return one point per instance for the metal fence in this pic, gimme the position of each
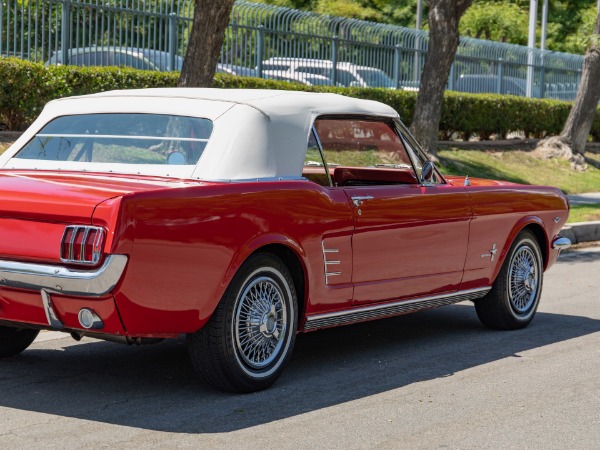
(272, 42)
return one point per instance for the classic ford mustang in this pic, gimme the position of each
(242, 217)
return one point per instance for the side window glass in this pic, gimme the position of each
(363, 152)
(417, 156)
(314, 166)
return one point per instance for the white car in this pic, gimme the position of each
(348, 74)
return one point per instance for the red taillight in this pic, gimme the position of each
(82, 244)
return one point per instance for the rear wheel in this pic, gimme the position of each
(250, 336)
(14, 340)
(515, 295)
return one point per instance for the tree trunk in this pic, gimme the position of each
(578, 124)
(570, 144)
(444, 17)
(211, 18)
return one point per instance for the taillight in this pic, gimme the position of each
(82, 244)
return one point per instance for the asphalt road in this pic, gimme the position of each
(434, 379)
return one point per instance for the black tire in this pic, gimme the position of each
(14, 340)
(239, 349)
(515, 295)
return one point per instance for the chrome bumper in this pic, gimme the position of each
(61, 280)
(561, 243)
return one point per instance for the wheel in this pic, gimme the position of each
(14, 340)
(515, 295)
(250, 336)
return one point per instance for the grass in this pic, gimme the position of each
(584, 213)
(520, 167)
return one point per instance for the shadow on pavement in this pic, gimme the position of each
(154, 388)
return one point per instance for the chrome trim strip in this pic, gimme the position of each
(561, 243)
(390, 309)
(62, 280)
(51, 315)
(329, 263)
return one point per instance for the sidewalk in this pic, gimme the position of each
(583, 231)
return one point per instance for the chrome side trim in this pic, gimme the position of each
(561, 243)
(390, 309)
(328, 262)
(62, 280)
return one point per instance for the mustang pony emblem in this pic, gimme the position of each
(491, 253)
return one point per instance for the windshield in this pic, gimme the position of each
(120, 138)
(375, 78)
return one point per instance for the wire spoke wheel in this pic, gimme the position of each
(514, 297)
(260, 323)
(523, 280)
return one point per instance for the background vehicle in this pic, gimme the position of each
(143, 59)
(348, 74)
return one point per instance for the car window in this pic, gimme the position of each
(121, 138)
(344, 77)
(314, 166)
(373, 145)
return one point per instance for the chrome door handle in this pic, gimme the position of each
(359, 199)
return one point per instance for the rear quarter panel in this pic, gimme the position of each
(187, 244)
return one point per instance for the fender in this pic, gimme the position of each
(517, 228)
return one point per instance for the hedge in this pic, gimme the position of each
(26, 87)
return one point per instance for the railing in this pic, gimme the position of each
(272, 42)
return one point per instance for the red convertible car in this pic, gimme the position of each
(242, 217)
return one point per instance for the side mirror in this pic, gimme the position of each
(427, 172)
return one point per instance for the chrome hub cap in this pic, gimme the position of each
(523, 280)
(260, 323)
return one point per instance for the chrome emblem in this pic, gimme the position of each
(556, 219)
(491, 253)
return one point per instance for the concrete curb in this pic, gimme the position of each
(582, 232)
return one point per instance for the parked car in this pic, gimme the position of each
(348, 74)
(242, 217)
(302, 78)
(137, 58)
(233, 69)
(489, 83)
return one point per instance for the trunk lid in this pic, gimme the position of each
(35, 207)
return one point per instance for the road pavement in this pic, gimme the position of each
(434, 379)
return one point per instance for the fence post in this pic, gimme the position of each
(543, 77)
(334, 59)
(65, 32)
(260, 49)
(172, 41)
(451, 78)
(397, 66)
(499, 80)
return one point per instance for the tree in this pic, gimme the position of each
(504, 22)
(211, 18)
(444, 17)
(573, 137)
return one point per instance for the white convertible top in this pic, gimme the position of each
(256, 134)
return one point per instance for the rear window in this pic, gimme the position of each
(121, 139)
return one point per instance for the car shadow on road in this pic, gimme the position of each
(154, 388)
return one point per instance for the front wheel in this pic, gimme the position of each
(14, 340)
(515, 295)
(250, 336)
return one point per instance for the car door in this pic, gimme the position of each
(410, 238)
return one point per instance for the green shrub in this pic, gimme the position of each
(26, 87)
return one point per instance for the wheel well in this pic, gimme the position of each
(292, 261)
(539, 234)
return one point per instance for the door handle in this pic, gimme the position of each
(359, 199)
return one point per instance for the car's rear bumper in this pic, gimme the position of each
(62, 280)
